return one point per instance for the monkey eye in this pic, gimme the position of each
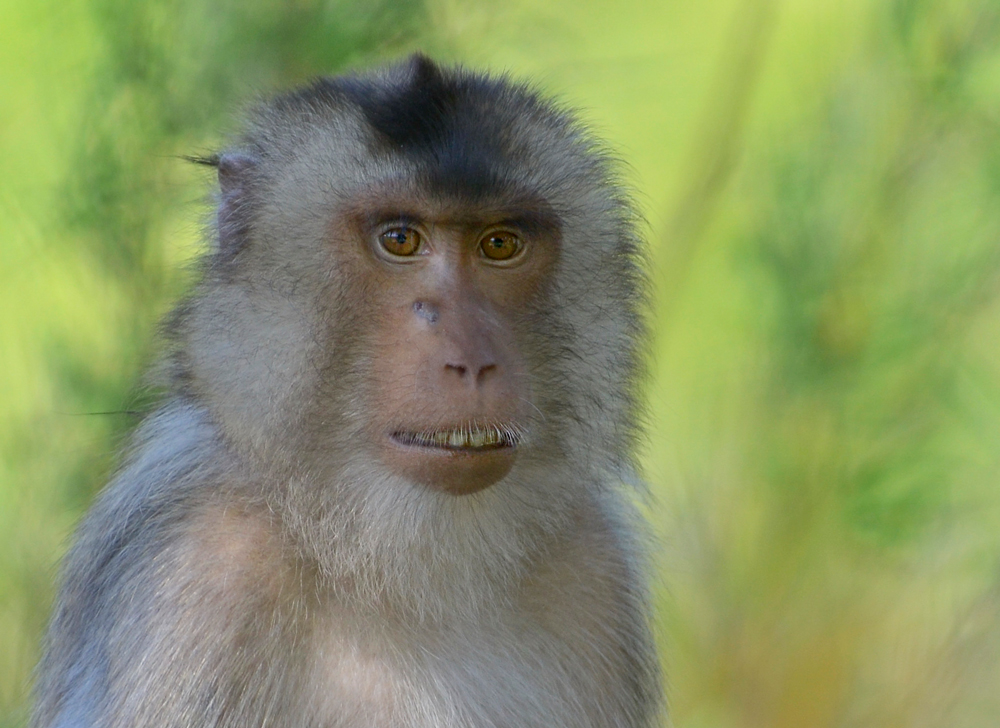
(500, 245)
(400, 241)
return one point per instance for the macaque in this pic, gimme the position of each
(387, 484)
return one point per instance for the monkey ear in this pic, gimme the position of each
(235, 172)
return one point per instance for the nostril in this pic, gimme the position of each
(462, 370)
(484, 371)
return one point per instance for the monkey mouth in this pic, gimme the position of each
(468, 438)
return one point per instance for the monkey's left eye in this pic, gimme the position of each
(400, 241)
(500, 245)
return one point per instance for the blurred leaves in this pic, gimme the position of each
(879, 243)
(837, 566)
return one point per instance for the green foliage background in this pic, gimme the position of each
(822, 184)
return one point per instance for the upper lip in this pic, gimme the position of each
(471, 436)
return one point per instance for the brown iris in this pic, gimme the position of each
(500, 245)
(400, 241)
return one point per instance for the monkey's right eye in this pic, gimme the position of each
(400, 241)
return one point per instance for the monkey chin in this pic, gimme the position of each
(444, 460)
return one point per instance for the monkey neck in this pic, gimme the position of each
(378, 544)
(349, 532)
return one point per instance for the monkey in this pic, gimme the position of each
(388, 483)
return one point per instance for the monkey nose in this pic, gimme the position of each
(468, 354)
(469, 357)
(474, 374)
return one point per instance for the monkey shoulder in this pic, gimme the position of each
(589, 597)
(148, 518)
(161, 574)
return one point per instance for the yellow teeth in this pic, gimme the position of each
(473, 437)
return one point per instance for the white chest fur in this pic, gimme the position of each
(497, 674)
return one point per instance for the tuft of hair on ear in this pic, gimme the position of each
(211, 160)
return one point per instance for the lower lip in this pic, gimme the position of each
(455, 470)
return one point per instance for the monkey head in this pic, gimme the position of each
(422, 268)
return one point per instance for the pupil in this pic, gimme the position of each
(400, 241)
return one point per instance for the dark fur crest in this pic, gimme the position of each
(453, 122)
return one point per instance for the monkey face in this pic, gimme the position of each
(444, 287)
(425, 278)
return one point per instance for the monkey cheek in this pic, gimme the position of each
(451, 471)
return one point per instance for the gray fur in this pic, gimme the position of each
(251, 566)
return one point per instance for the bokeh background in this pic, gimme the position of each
(821, 180)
